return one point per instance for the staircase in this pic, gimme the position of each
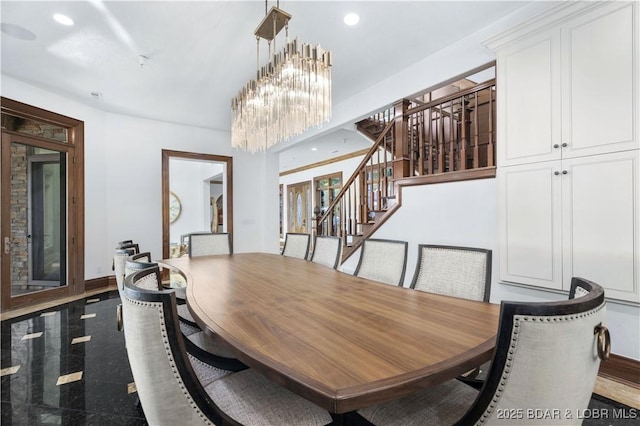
(415, 138)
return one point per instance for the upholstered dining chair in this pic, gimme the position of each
(204, 244)
(384, 261)
(119, 260)
(327, 250)
(296, 245)
(129, 244)
(131, 266)
(463, 272)
(171, 393)
(476, 377)
(546, 358)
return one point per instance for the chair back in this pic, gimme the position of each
(454, 271)
(327, 251)
(384, 261)
(129, 245)
(152, 282)
(149, 277)
(167, 386)
(141, 257)
(205, 244)
(579, 288)
(119, 259)
(296, 245)
(546, 358)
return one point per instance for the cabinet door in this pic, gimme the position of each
(529, 79)
(529, 221)
(601, 238)
(599, 54)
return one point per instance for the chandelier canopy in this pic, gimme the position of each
(289, 95)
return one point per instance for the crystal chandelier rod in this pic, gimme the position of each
(291, 93)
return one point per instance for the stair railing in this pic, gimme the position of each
(450, 134)
(453, 133)
(367, 191)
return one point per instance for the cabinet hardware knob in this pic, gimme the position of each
(556, 173)
(564, 145)
(564, 172)
(556, 146)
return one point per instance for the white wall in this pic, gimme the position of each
(123, 169)
(465, 214)
(458, 213)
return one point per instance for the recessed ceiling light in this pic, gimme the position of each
(63, 19)
(314, 149)
(351, 19)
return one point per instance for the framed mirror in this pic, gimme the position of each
(197, 178)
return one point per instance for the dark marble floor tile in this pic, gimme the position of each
(31, 396)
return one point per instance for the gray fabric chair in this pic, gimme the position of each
(463, 272)
(128, 244)
(477, 376)
(131, 266)
(204, 244)
(296, 245)
(120, 257)
(171, 393)
(384, 261)
(327, 251)
(547, 358)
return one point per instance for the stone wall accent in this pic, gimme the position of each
(19, 218)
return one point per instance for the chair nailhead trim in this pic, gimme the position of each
(174, 368)
(514, 342)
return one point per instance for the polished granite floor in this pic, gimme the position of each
(67, 365)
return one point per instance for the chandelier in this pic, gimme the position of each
(289, 95)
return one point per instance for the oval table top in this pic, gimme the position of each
(340, 341)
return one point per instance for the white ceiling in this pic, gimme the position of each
(201, 53)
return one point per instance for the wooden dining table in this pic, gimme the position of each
(340, 341)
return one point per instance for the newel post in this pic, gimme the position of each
(401, 167)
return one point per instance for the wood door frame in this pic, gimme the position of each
(75, 201)
(166, 156)
(309, 204)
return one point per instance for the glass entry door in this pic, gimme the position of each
(46, 237)
(34, 241)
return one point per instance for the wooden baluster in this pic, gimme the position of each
(379, 165)
(476, 131)
(421, 141)
(452, 148)
(345, 214)
(490, 147)
(440, 139)
(412, 142)
(430, 142)
(463, 138)
(352, 207)
(383, 193)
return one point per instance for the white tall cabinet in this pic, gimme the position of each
(568, 148)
